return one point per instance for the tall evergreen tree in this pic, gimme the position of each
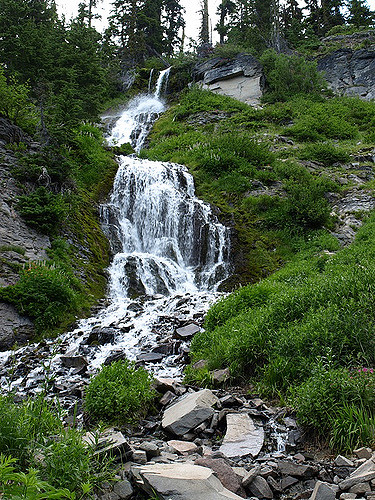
(225, 9)
(173, 23)
(204, 33)
(360, 13)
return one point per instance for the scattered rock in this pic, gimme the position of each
(341, 461)
(363, 453)
(183, 447)
(323, 491)
(187, 332)
(183, 481)
(225, 473)
(110, 441)
(260, 488)
(190, 411)
(242, 437)
(123, 489)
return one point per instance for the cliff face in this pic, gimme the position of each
(19, 244)
(350, 72)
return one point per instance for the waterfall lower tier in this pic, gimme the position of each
(166, 240)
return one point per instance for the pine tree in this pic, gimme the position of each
(173, 22)
(204, 34)
(225, 9)
(360, 13)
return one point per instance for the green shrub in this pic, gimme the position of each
(42, 210)
(120, 393)
(324, 152)
(288, 76)
(45, 293)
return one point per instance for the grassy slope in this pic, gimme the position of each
(313, 319)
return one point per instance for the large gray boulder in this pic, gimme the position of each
(189, 412)
(240, 77)
(242, 437)
(350, 72)
(183, 481)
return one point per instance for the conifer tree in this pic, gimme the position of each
(173, 22)
(204, 34)
(225, 9)
(360, 13)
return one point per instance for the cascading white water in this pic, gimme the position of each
(169, 250)
(166, 240)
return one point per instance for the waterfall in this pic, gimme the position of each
(170, 254)
(138, 117)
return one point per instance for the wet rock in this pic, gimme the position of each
(242, 437)
(71, 361)
(187, 332)
(225, 473)
(123, 489)
(260, 488)
(183, 481)
(190, 411)
(114, 356)
(323, 491)
(183, 447)
(150, 357)
(102, 336)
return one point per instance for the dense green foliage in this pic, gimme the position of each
(288, 76)
(45, 292)
(28, 435)
(120, 393)
(290, 331)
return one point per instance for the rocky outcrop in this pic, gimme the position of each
(19, 244)
(350, 72)
(241, 77)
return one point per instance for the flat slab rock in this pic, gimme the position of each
(189, 412)
(242, 437)
(183, 481)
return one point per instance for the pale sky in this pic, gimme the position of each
(192, 18)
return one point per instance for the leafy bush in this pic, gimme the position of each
(119, 393)
(45, 293)
(325, 153)
(42, 210)
(34, 429)
(18, 485)
(288, 76)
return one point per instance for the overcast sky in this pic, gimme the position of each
(69, 8)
